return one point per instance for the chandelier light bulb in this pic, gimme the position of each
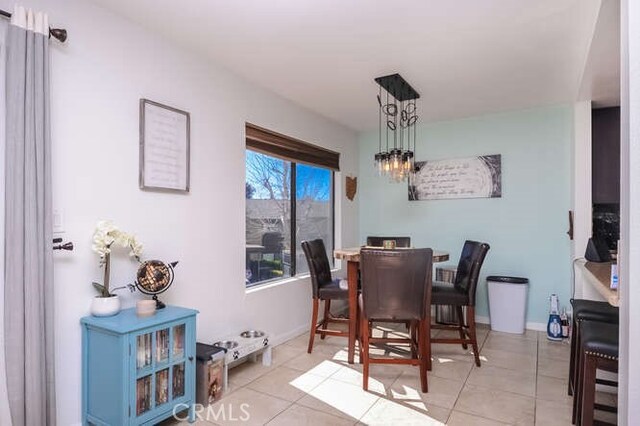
(396, 159)
(407, 161)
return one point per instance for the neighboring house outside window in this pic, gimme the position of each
(287, 202)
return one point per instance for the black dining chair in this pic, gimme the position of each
(396, 286)
(403, 242)
(462, 294)
(324, 288)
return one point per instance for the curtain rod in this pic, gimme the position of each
(59, 34)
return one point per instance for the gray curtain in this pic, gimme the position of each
(28, 298)
(5, 416)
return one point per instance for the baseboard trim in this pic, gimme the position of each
(537, 326)
(530, 325)
(284, 337)
(304, 328)
(482, 320)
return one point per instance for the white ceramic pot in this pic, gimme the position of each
(105, 306)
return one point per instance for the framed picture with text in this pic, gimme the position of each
(470, 177)
(164, 147)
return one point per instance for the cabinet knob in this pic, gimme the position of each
(190, 358)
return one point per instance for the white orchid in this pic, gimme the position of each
(105, 235)
(136, 247)
(121, 238)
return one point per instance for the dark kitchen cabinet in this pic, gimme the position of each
(605, 139)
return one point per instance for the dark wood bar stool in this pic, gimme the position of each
(587, 310)
(598, 351)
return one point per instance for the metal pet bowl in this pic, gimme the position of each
(226, 344)
(250, 334)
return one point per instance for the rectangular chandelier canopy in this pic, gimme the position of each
(398, 87)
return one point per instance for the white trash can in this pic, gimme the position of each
(507, 303)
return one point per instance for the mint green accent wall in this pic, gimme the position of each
(526, 228)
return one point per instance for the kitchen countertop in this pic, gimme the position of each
(598, 275)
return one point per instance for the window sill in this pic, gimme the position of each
(276, 283)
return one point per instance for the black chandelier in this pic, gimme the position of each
(398, 109)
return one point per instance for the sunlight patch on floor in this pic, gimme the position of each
(353, 401)
(305, 382)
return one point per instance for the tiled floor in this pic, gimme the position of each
(522, 381)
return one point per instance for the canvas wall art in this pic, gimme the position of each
(470, 177)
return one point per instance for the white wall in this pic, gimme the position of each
(581, 200)
(581, 182)
(629, 249)
(98, 77)
(4, 400)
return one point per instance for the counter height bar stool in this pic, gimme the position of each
(324, 288)
(599, 349)
(587, 310)
(396, 286)
(462, 294)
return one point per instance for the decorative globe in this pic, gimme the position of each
(155, 277)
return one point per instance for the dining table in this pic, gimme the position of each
(352, 256)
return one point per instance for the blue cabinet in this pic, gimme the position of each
(136, 370)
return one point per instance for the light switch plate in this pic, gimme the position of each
(58, 221)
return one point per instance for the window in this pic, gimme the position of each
(287, 201)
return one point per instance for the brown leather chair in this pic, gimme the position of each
(324, 288)
(396, 286)
(404, 242)
(462, 294)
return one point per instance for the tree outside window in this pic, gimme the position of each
(274, 189)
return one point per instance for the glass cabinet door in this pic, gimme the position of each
(162, 386)
(160, 368)
(178, 341)
(162, 345)
(178, 380)
(143, 395)
(144, 352)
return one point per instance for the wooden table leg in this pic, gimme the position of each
(352, 278)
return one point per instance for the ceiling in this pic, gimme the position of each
(465, 57)
(601, 78)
